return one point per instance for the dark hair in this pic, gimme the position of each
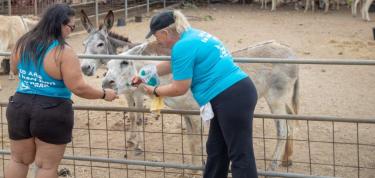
(34, 44)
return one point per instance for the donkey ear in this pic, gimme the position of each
(86, 22)
(109, 20)
(104, 30)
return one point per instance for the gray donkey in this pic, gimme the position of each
(277, 83)
(100, 41)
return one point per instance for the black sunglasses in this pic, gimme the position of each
(72, 27)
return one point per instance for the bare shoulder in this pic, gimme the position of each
(68, 53)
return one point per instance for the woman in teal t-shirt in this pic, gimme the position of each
(40, 114)
(226, 95)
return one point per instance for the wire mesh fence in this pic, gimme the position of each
(36, 7)
(124, 10)
(324, 146)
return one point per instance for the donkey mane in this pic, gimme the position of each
(118, 37)
(115, 35)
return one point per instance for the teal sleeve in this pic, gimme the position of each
(182, 60)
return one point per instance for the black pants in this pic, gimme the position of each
(230, 134)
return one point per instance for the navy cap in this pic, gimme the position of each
(160, 21)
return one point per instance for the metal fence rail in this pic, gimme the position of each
(326, 146)
(239, 60)
(94, 9)
(172, 165)
(36, 7)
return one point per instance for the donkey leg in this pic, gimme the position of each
(193, 128)
(365, 10)
(307, 5)
(286, 160)
(274, 3)
(354, 7)
(277, 99)
(7, 69)
(354, 13)
(132, 137)
(280, 144)
(326, 2)
(363, 14)
(11, 76)
(313, 5)
(138, 97)
(281, 131)
(132, 141)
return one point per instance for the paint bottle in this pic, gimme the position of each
(149, 75)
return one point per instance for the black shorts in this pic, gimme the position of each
(49, 119)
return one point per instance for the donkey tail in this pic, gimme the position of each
(295, 98)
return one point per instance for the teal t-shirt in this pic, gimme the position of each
(35, 80)
(201, 57)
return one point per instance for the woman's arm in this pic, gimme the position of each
(73, 78)
(176, 88)
(163, 68)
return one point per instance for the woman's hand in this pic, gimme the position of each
(147, 89)
(109, 94)
(136, 80)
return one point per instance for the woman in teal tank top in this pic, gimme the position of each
(225, 94)
(40, 113)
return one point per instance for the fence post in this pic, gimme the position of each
(9, 7)
(36, 7)
(97, 13)
(148, 6)
(126, 10)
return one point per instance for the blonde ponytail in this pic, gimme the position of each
(181, 23)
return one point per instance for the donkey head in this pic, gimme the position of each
(120, 72)
(100, 41)
(119, 75)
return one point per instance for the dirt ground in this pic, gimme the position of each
(345, 91)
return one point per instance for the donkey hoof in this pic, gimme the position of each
(130, 144)
(287, 163)
(64, 172)
(138, 151)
